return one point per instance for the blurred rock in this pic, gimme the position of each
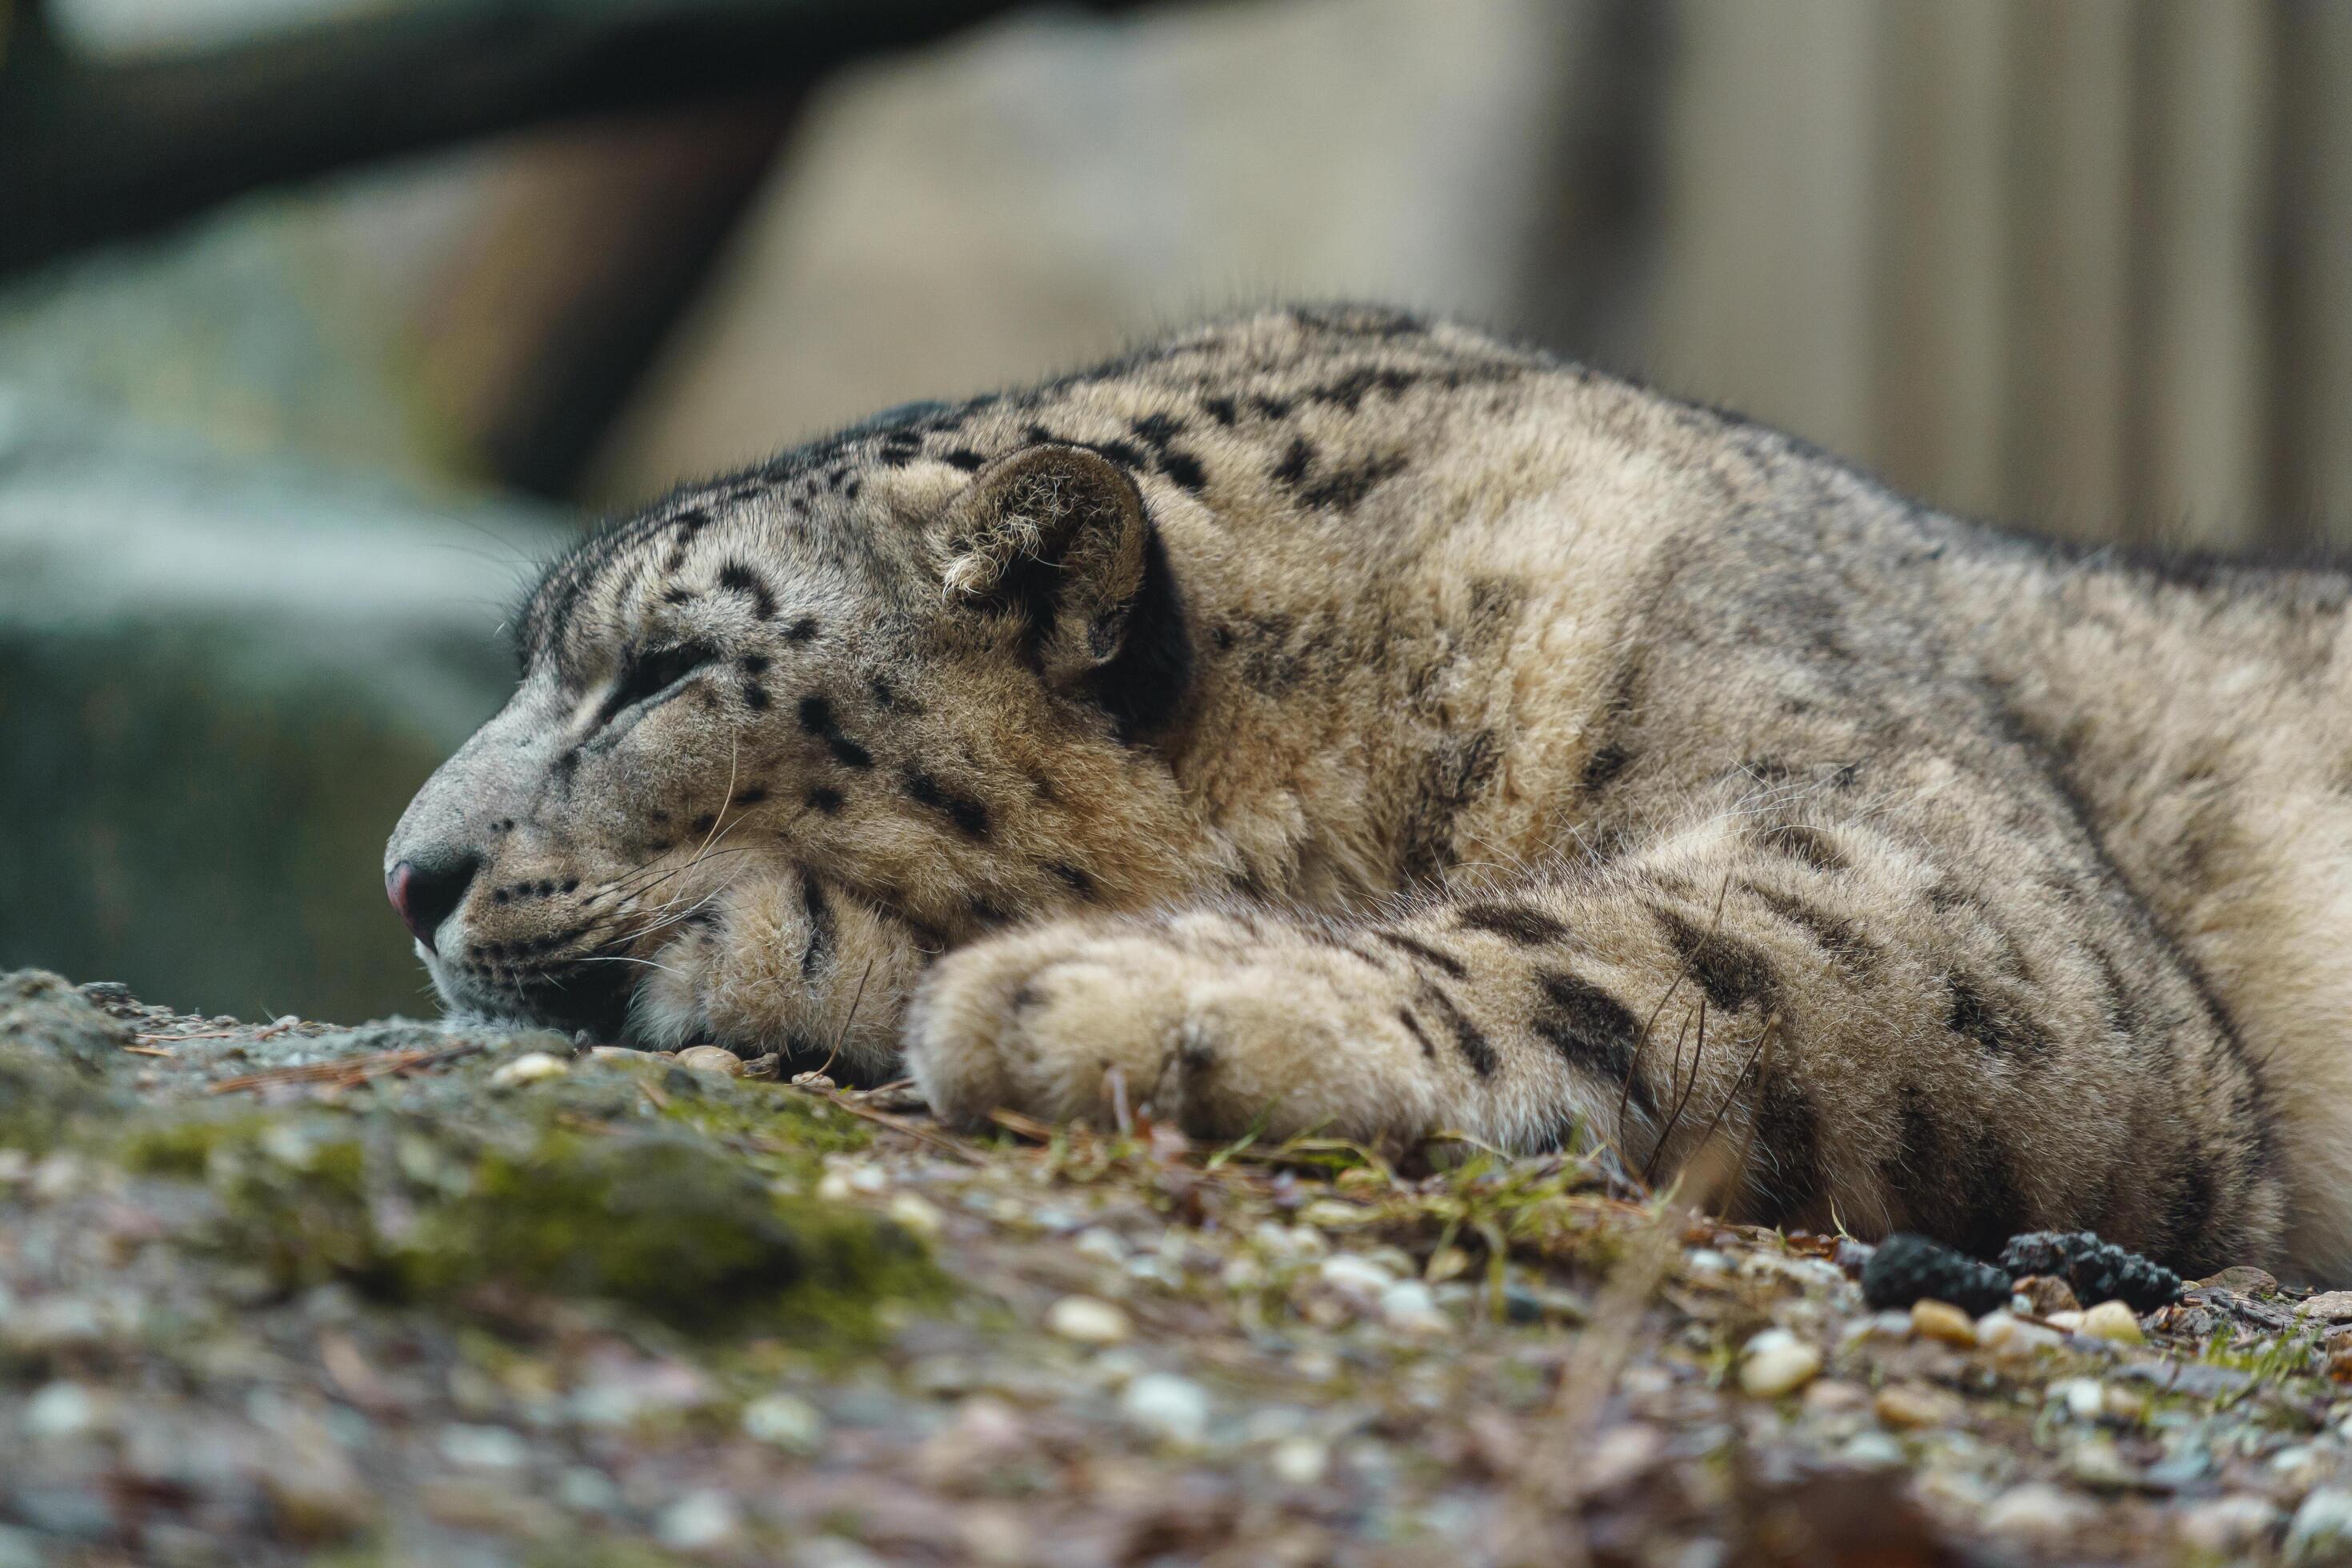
(1034, 197)
(220, 683)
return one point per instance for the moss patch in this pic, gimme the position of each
(677, 1202)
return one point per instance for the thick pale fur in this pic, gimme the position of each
(1329, 720)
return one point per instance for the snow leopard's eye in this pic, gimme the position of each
(650, 673)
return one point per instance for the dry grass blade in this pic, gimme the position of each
(914, 1130)
(1548, 1479)
(345, 1072)
(1021, 1126)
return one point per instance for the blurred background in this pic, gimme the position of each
(321, 319)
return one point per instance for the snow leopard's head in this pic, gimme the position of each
(915, 671)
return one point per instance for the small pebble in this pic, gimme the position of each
(1832, 1396)
(484, 1447)
(1869, 1451)
(2321, 1530)
(1934, 1320)
(711, 1058)
(1171, 1408)
(2046, 1293)
(1775, 1363)
(1088, 1320)
(60, 1410)
(1410, 1309)
(817, 1082)
(1354, 1276)
(1299, 1461)
(1102, 1246)
(586, 1490)
(2036, 1511)
(531, 1068)
(697, 1522)
(2246, 1281)
(916, 1213)
(2083, 1396)
(2098, 1463)
(2011, 1335)
(2333, 1307)
(2113, 1322)
(2228, 1525)
(786, 1421)
(1907, 1406)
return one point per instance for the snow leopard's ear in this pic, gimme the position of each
(1056, 538)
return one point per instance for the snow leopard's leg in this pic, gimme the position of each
(1889, 1042)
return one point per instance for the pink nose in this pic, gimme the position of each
(425, 896)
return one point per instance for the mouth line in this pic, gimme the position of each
(574, 995)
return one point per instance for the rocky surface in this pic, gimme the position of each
(398, 1294)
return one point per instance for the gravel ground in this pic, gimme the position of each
(396, 1294)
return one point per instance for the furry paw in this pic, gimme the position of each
(788, 965)
(1221, 1028)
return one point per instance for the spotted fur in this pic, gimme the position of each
(1334, 720)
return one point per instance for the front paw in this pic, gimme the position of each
(1220, 1036)
(786, 965)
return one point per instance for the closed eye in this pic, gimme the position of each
(651, 672)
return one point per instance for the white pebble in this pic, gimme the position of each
(711, 1058)
(2321, 1530)
(2083, 1396)
(2113, 1322)
(786, 1421)
(484, 1447)
(1101, 1244)
(2035, 1511)
(1351, 1275)
(1299, 1461)
(1775, 1363)
(587, 1489)
(1409, 1308)
(60, 1410)
(2001, 1331)
(1088, 1320)
(1171, 1408)
(2228, 1525)
(697, 1522)
(916, 1213)
(530, 1067)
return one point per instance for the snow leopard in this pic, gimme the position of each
(1334, 720)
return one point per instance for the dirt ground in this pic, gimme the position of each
(290, 1291)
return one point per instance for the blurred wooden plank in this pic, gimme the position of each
(1938, 341)
(2070, 170)
(90, 152)
(2201, 348)
(1767, 233)
(2310, 450)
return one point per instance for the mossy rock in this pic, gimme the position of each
(675, 1213)
(55, 1055)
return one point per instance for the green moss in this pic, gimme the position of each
(589, 1192)
(43, 1098)
(784, 1131)
(664, 1222)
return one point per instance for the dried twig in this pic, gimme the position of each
(939, 1140)
(347, 1072)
